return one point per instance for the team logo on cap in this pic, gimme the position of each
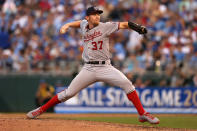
(96, 8)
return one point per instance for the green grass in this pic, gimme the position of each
(189, 122)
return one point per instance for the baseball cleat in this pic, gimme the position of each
(34, 113)
(146, 117)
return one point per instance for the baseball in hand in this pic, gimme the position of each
(63, 29)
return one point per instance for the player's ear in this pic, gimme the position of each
(87, 18)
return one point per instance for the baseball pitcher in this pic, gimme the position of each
(97, 67)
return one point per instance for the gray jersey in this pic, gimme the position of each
(96, 40)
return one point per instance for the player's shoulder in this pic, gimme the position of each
(110, 23)
(101, 23)
(84, 21)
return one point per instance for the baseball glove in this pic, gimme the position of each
(138, 28)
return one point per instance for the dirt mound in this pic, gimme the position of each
(55, 122)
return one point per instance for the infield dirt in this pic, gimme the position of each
(56, 122)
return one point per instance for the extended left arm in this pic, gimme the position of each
(123, 25)
(130, 25)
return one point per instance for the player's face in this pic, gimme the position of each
(94, 19)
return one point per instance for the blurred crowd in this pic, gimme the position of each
(167, 56)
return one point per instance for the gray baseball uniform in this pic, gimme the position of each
(96, 48)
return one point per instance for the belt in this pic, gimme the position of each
(95, 62)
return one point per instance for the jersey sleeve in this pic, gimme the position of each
(83, 25)
(111, 27)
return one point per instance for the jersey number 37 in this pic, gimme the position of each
(97, 45)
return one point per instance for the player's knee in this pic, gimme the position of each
(65, 95)
(128, 86)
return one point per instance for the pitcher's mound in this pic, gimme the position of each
(55, 122)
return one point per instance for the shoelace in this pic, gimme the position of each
(150, 116)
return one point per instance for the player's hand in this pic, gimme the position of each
(143, 30)
(64, 29)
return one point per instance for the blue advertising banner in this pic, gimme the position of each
(114, 100)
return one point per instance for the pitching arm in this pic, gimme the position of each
(64, 28)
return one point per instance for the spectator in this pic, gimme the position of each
(195, 80)
(44, 93)
(4, 39)
(9, 7)
(30, 40)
